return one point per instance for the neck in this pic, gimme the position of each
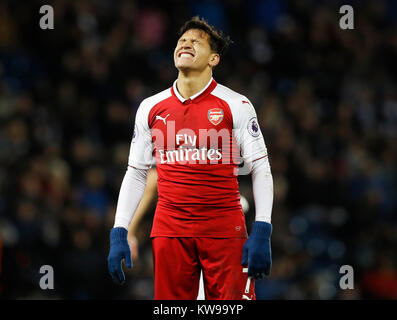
(189, 84)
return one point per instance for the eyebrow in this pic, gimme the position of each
(193, 39)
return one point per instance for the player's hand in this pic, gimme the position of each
(257, 251)
(119, 250)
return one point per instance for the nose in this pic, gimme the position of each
(187, 45)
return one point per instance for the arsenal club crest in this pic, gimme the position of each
(215, 116)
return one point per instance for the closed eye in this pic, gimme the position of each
(184, 40)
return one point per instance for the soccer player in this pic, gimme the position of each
(197, 130)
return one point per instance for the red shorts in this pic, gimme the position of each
(178, 262)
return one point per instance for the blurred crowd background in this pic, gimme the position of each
(326, 99)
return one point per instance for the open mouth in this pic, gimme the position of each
(185, 54)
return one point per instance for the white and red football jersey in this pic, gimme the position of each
(197, 144)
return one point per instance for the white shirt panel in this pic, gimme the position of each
(262, 188)
(141, 148)
(246, 128)
(130, 195)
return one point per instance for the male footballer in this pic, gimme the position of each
(197, 130)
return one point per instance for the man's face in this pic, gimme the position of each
(193, 51)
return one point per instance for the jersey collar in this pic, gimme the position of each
(206, 90)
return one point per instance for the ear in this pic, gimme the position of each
(214, 60)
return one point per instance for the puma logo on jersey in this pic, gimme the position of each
(162, 119)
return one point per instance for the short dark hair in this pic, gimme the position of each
(218, 41)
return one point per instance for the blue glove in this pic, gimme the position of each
(257, 252)
(119, 249)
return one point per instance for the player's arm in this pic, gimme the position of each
(146, 201)
(257, 249)
(130, 195)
